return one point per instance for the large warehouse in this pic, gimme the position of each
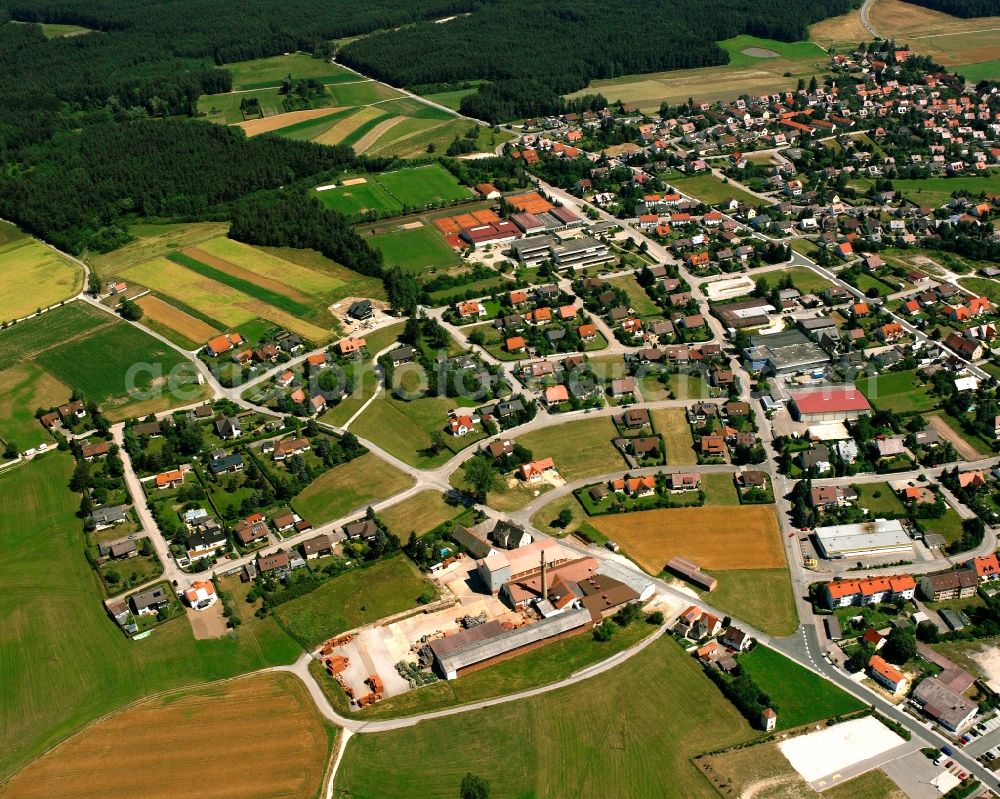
(878, 537)
(487, 642)
(829, 404)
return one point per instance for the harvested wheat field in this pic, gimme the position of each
(177, 320)
(251, 738)
(375, 133)
(254, 127)
(346, 126)
(747, 537)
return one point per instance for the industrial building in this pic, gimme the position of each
(784, 353)
(947, 708)
(830, 403)
(878, 537)
(477, 646)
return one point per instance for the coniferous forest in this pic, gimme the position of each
(962, 8)
(96, 130)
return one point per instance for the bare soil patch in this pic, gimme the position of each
(253, 127)
(174, 318)
(208, 623)
(760, 52)
(962, 447)
(747, 537)
(196, 742)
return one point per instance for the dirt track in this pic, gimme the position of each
(962, 447)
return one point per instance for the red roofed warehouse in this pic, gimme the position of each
(833, 403)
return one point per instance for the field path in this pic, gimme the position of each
(373, 135)
(771, 782)
(962, 447)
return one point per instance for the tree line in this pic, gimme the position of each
(962, 8)
(565, 46)
(81, 189)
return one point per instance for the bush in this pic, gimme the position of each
(655, 618)
(604, 631)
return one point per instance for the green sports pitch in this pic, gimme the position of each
(392, 192)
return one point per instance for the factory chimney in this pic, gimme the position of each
(545, 594)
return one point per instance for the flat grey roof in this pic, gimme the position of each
(478, 651)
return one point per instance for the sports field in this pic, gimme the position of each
(902, 392)
(58, 676)
(349, 486)
(713, 191)
(420, 514)
(579, 449)
(353, 599)
(745, 74)
(360, 198)
(393, 192)
(623, 737)
(938, 191)
(22, 389)
(431, 183)
(799, 695)
(33, 276)
(273, 714)
(219, 283)
(985, 70)
(404, 429)
(672, 424)
(416, 250)
(652, 537)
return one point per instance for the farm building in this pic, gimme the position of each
(878, 537)
(692, 572)
(832, 403)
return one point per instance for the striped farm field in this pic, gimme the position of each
(253, 127)
(309, 281)
(163, 313)
(373, 135)
(346, 126)
(217, 300)
(747, 537)
(34, 276)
